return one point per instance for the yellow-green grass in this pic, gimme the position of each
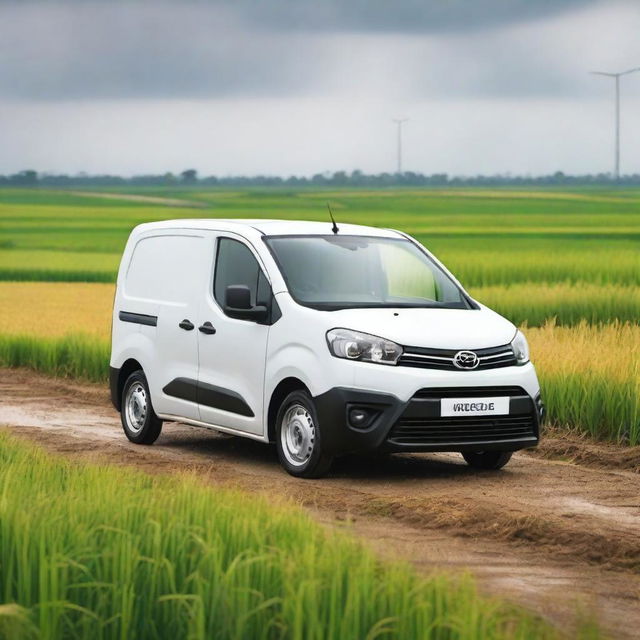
(106, 553)
(589, 374)
(485, 262)
(590, 377)
(568, 304)
(62, 308)
(71, 356)
(53, 310)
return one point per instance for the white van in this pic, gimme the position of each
(324, 340)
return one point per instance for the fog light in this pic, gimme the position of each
(361, 417)
(357, 417)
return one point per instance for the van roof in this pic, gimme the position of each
(269, 227)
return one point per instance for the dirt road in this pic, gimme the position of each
(551, 535)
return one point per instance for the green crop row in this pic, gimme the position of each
(485, 236)
(473, 266)
(72, 356)
(590, 375)
(566, 304)
(587, 402)
(102, 553)
(493, 266)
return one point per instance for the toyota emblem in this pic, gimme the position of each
(466, 360)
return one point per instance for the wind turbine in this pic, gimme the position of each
(617, 76)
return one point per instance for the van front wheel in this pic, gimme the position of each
(487, 460)
(299, 438)
(139, 421)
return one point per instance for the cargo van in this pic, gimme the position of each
(325, 340)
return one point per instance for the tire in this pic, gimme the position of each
(299, 438)
(139, 421)
(487, 460)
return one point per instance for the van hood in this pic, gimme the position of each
(431, 328)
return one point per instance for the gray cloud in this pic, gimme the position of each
(110, 51)
(96, 50)
(403, 16)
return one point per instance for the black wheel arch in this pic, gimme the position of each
(282, 390)
(117, 378)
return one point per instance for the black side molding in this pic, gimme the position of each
(138, 318)
(183, 388)
(208, 395)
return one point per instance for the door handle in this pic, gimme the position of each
(187, 325)
(207, 328)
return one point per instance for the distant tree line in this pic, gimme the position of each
(190, 178)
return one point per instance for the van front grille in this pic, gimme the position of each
(421, 424)
(443, 359)
(462, 430)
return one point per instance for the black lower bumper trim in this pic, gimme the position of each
(417, 425)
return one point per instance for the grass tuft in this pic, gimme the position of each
(107, 554)
(590, 378)
(72, 356)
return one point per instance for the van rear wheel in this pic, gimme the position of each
(299, 438)
(487, 460)
(139, 421)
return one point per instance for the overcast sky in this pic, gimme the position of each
(286, 87)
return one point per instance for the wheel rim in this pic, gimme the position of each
(297, 435)
(136, 407)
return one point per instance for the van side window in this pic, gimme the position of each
(235, 264)
(162, 267)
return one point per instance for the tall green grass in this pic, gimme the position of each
(73, 356)
(590, 374)
(589, 402)
(102, 553)
(567, 304)
(590, 377)
(477, 267)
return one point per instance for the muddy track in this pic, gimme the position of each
(552, 535)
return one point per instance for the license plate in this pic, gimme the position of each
(474, 407)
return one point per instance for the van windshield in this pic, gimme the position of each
(340, 272)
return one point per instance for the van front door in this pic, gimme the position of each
(232, 352)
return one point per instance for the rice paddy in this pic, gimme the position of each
(157, 557)
(164, 557)
(590, 377)
(564, 264)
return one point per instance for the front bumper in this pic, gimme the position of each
(391, 424)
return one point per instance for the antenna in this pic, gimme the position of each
(399, 122)
(616, 77)
(334, 228)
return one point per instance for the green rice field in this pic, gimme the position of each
(484, 237)
(84, 554)
(543, 258)
(165, 557)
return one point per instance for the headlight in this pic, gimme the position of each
(520, 348)
(353, 345)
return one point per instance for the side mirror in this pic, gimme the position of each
(237, 296)
(238, 304)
